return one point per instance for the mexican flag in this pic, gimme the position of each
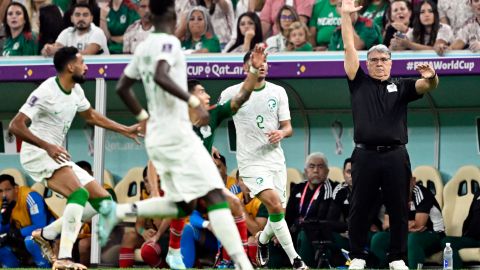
(9, 144)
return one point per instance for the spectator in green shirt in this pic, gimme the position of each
(19, 37)
(323, 22)
(374, 10)
(200, 37)
(115, 17)
(365, 36)
(298, 36)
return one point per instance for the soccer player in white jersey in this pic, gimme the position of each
(50, 110)
(261, 124)
(185, 167)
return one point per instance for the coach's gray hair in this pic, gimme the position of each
(381, 49)
(316, 155)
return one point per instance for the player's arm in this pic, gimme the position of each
(124, 90)
(257, 59)
(152, 178)
(429, 79)
(284, 131)
(95, 118)
(18, 127)
(351, 63)
(163, 79)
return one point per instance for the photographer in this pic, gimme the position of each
(309, 202)
(22, 211)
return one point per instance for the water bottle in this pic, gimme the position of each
(448, 257)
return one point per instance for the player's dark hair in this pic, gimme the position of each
(63, 56)
(348, 160)
(9, 178)
(84, 165)
(192, 84)
(160, 7)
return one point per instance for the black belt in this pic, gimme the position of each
(379, 148)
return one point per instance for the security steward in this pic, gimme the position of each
(380, 159)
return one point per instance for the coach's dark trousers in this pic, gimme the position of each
(389, 170)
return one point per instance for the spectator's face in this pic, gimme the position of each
(426, 14)
(298, 37)
(15, 18)
(144, 9)
(475, 6)
(347, 173)
(199, 91)
(246, 23)
(197, 24)
(8, 191)
(82, 18)
(400, 12)
(222, 169)
(316, 170)
(379, 65)
(286, 18)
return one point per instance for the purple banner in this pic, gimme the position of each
(220, 67)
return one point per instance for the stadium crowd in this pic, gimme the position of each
(40, 27)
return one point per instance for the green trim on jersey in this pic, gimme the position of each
(218, 206)
(57, 80)
(217, 114)
(260, 88)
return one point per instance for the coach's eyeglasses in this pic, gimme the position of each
(376, 60)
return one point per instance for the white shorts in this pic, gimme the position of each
(40, 166)
(260, 180)
(186, 170)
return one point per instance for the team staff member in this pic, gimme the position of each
(379, 107)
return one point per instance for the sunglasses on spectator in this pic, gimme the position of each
(287, 17)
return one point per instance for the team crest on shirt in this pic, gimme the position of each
(123, 19)
(259, 180)
(272, 104)
(16, 46)
(206, 131)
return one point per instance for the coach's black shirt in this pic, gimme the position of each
(380, 108)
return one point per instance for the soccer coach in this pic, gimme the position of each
(380, 159)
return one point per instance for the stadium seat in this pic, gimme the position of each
(108, 178)
(38, 187)
(430, 178)
(55, 202)
(17, 175)
(294, 176)
(129, 189)
(335, 174)
(457, 197)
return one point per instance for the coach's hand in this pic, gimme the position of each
(57, 153)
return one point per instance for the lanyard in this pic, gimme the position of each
(317, 191)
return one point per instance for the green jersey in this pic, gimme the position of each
(117, 23)
(307, 47)
(211, 44)
(325, 19)
(366, 30)
(375, 15)
(23, 44)
(218, 113)
(64, 5)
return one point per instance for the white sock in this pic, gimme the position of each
(226, 231)
(72, 216)
(153, 207)
(266, 234)
(54, 229)
(280, 228)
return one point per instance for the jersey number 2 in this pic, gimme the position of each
(260, 122)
